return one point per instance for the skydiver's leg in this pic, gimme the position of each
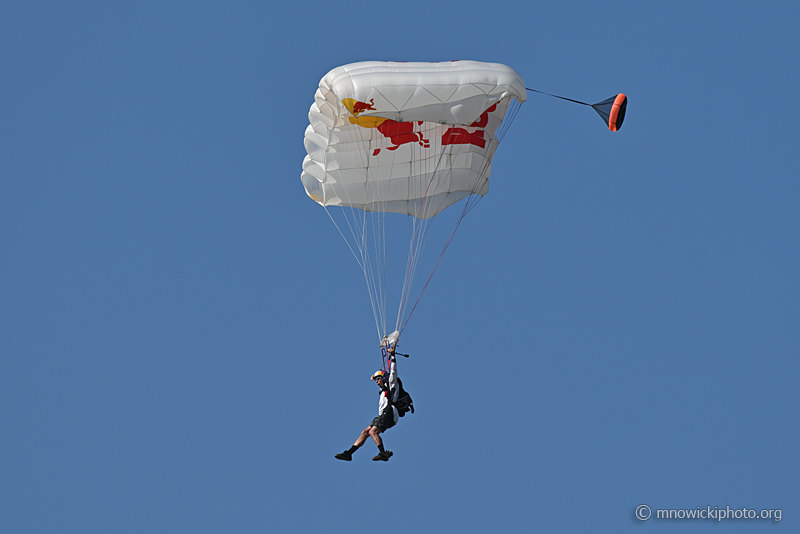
(383, 454)
(363, 437)
(375, 432)
(348, 454)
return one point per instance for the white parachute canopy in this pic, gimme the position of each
(410, 138)
(407, 138)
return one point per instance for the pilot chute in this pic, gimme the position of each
(611, 110)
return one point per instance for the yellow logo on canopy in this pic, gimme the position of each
(357, 107)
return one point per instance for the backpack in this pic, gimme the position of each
(404, 404)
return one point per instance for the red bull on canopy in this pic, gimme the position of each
(410, 138)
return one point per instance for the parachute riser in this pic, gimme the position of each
(388, 345)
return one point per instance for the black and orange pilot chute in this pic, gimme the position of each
(611, 110)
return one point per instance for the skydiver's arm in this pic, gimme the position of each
(393, 377)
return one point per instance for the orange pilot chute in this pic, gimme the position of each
(612, 110)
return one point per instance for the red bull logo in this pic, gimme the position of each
(356, 107)
(402, 133)
(462, 136)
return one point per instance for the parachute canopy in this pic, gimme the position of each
(391, 145)
(410, 138)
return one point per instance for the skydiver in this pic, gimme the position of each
(387, 413)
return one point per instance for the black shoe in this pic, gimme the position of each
(383, 456)
(346, 456)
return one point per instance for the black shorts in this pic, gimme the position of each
(384, 421)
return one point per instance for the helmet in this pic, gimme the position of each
(378, 374)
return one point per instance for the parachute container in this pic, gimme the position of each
(612, 111)
(391, 339)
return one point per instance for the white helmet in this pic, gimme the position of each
(378, 374)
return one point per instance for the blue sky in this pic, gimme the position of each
(186, 339)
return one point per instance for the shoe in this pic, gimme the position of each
(346, 456)
(383, 456)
